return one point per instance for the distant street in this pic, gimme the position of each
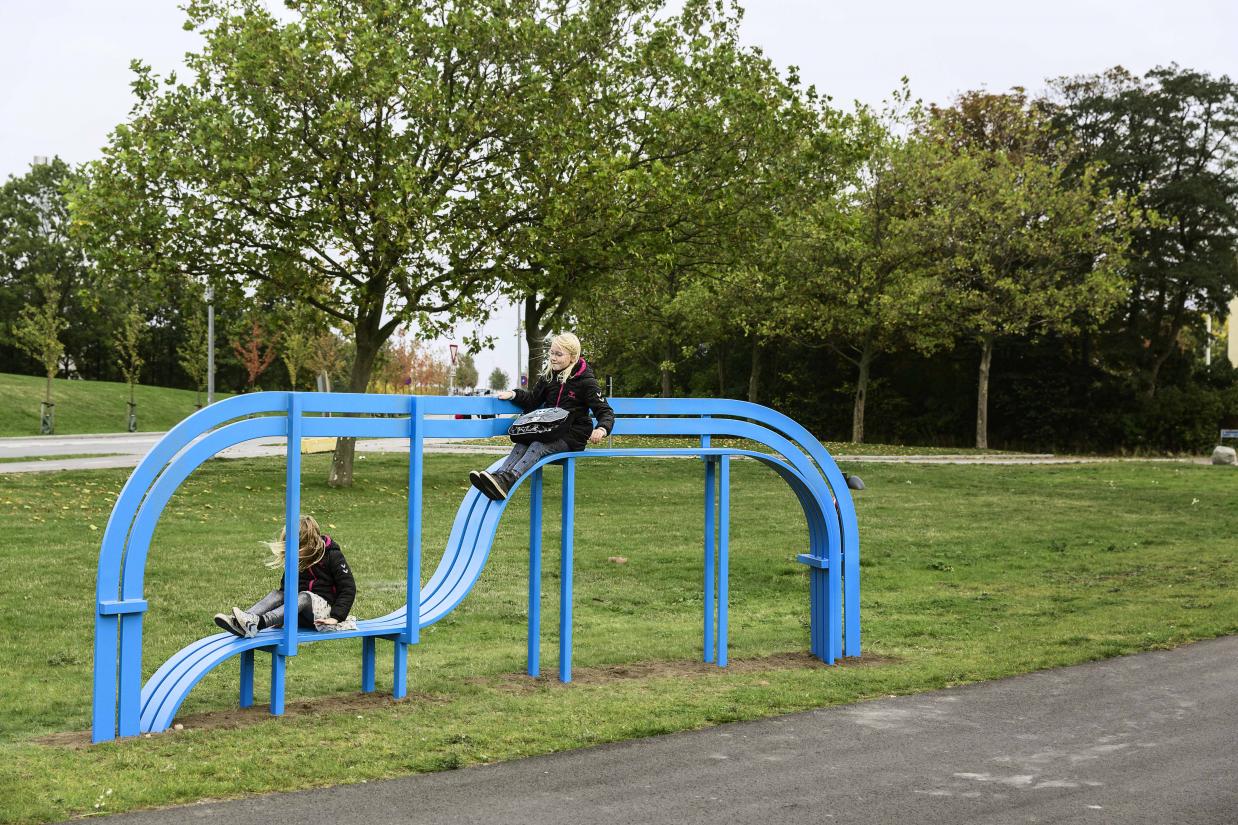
(108, 450)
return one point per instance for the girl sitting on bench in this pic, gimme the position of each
(325, 584)
(566, 381)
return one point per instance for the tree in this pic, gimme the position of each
(296, 340)
(726, 150)
(497, 380)
(1169, 140)
(466, 371)
(345, 156)
(128, 342)
(35, 241)
(192, 354)
(255, 352)
(326, 355)
(861, 286)
(38, 328)
(1021, 245)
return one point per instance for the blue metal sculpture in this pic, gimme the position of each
(123, 706)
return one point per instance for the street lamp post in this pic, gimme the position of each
(451, 376)
(519, 342)
(210, 345)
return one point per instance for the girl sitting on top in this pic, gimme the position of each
(325, 584)
(566, 381)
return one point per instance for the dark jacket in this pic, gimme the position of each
(579, 395)
(331, 578)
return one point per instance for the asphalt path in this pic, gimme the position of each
(109, 450)
(1148, 739)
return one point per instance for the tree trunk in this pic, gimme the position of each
(534, 337)
(861, 392)
(982, 393)
(368, 343)
(754, 374)
(668, 353)
(721, 374)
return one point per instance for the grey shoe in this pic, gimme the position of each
(246, 622)
(229, 624)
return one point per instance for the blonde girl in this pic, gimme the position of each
(566, 381)
(326, 588)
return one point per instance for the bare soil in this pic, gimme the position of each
(512, 682)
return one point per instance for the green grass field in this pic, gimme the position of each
(969, 573)
(89, 406)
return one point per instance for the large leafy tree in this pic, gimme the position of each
(348, 155)
(852, 259)
(1169, 140)
(36, 243)
(727, 149)
(1021, 245)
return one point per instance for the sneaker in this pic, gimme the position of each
(494, 485)
(229, 624)
(246, 622)
(476, 480)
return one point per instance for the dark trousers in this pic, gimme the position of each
(524, 456)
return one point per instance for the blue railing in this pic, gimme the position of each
(123, 706)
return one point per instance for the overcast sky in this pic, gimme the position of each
(64, 76)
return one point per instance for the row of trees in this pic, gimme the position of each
(644, 177)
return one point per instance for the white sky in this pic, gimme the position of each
(64, 77)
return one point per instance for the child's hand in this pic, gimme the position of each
(327, 620)
(597, 435)
(506, 395)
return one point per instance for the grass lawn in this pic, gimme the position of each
(90, 406)
(969, 573)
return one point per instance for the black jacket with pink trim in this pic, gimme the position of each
(579, 395)
(331, 578)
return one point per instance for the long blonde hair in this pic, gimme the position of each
(311, 545)
(571, 344)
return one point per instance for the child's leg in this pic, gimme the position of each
(267, 603)
(518, 452)
(535, 453)
(305, 609)
(269, 610)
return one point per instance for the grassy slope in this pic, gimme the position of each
(88, 406)
(969, 573)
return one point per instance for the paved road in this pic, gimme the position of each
(127, 449)
(1141, 740)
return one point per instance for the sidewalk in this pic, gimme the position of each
(1139, 740)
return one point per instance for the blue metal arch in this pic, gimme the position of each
(119, 704)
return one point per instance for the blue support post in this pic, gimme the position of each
(278, 662)
(565, 570)
(103, 711)
(247, 679)
(399, 678)
(416, 439)
(710, 574)
(851, 601)
(724, 562)
(130, 673)
(292, 533)
(535, 573)
(368, 653)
